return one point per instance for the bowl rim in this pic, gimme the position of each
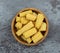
(12, 28)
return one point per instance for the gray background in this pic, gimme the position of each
(8, 9)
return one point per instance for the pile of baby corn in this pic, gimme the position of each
(29, 25)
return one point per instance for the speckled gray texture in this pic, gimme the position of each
(8, 9)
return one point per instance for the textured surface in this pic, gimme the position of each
(8, 9)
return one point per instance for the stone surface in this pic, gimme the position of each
(8, 9)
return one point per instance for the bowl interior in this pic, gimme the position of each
(19, 39)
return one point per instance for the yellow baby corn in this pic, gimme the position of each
(28, 11)
(34, 14)
(29, 33)
(39, 20)
(43, 27)
(24, 20)
(24, 13)
(37, 37)
(23, 38)
(17, 19)
(30, 17)
(18, 25)
(29, 40)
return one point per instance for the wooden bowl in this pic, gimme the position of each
(14, 29)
